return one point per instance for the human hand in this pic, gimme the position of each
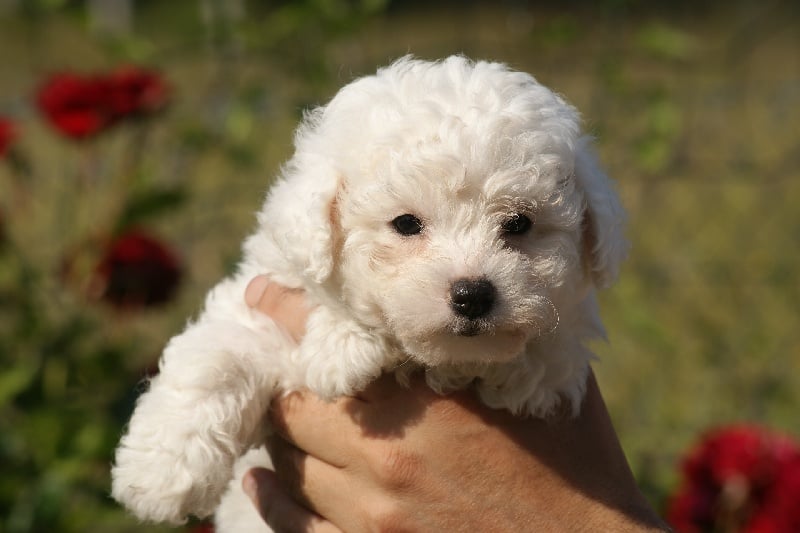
(409, 459)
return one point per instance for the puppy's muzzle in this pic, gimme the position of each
(472, 298)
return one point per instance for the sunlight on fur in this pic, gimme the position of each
(444, 217)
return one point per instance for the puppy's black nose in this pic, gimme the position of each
(472, 298)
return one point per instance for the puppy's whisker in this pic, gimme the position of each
(555, 313)
(408, 359)
(403, 375)
(555, 320)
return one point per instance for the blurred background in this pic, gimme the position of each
(137, 138)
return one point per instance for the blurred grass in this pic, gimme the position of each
(696, 108)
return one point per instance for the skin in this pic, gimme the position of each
(406, 459)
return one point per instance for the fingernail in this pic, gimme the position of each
(255, 289)
(250, 486)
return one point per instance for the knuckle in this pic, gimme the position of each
(388, 518)
(399, 468)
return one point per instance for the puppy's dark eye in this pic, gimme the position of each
(517, 224)
(407, 225)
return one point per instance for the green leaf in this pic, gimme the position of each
(666, 42)
(146, 205)
(16, 380)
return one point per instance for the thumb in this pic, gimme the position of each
(287, 307)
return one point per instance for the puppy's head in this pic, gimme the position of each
(466, 215)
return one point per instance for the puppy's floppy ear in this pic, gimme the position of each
(603, 220)
(321, 225)
(300, 213)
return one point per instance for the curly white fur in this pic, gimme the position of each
(463, 147)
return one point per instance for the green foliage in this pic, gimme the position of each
(666, 42)
(59, 414)
(145, 205)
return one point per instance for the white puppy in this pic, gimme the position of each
(448, 217)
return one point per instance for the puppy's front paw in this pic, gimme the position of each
(159, 486)
(339, 356)
(169, 465)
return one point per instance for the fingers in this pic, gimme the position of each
(313, 483)
(286, 306)
(278, 509)
(255, 290)
(322, 429)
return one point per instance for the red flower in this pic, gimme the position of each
(75, 105)
(83, 106)
(7, 135)
(781, 509)
(137, 270)
(136, 92)
(739, 478)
